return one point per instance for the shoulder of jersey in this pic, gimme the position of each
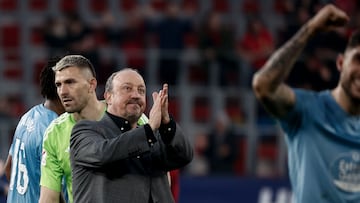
(56, 122)
(63, 117)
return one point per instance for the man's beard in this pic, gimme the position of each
(346, 86)
(133, 118)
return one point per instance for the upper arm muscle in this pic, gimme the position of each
(280, 102)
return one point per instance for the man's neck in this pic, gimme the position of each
(93, 111)
(346, 103)
(54, 105)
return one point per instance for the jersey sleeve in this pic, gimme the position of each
(38, 140)
(295, 118)
(17, 131)
(11, 149)
(51, 171)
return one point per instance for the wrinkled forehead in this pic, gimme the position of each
(129, 77)
(72, 72)
(67, 70)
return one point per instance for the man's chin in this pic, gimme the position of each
(133, 118)
(70, 110)
(134, 115)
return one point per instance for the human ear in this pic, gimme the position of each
(340, 62)
(107, 97)
(93, 84)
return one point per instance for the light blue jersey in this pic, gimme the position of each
(26, 150)
(324, 150)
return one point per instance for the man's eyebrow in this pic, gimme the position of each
(132, 84)
(70, 80)
(126, 84)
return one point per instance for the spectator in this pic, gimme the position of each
(56, 36)
(221, 151)
(132, 42)
(216, 42)
(256, 44)
(81, 40)
(170, 32)
(199, 165)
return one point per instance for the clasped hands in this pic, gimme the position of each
(159, 113)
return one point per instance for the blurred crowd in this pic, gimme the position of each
(235, 36)
(4, 184)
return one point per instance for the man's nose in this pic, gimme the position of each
(135, 93)
(62, 90)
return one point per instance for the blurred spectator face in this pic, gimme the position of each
(255, 26)
(303, 15)
(222, 122)
(215, 21)
(59, 28)
(108, 19)
(201, 143)
(172, 10)
(76, 27)
(56, 26)
(134, 19)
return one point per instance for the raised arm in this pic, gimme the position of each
(268, 83)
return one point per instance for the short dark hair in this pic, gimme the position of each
(47, 80)
(354, 40)
(77, 61)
